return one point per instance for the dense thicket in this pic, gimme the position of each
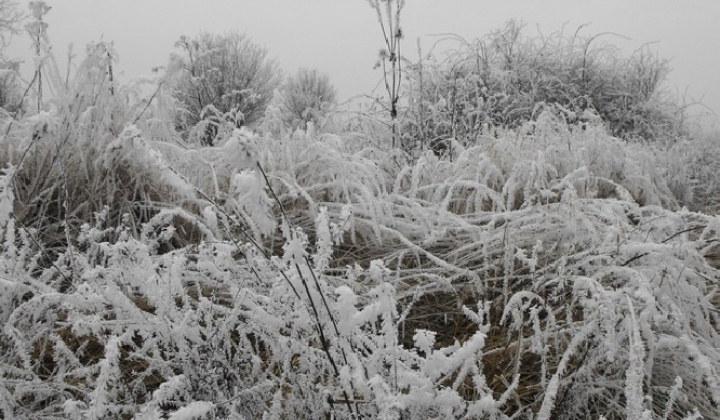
(506, 78)
(545, 270)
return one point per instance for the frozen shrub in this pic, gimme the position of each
(221, 79)
(502, 78)
(692, 171)
(305, 98)
(83, 154)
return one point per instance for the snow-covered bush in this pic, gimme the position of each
(82, 153)
(499, 81)
(221, 79)
(692, 167)
(305, 97)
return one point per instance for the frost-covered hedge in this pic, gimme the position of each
(462, 89)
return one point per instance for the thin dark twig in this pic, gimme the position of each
(323, 340)
(674, 235)
(275, 197)
(307, 260)
(19, 105)
(147, 105)
(634, 258)
(244, 232)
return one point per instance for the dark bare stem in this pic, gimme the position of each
(147, 105)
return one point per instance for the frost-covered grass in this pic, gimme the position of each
(547, 272)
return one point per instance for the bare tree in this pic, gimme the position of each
(306, 96)
(221, 79)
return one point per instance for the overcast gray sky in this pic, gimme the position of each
(342, 38)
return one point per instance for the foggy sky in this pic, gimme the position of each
(342, 37)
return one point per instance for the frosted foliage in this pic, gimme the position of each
(194, 410)
(252, 203)
(541, 273)
(6, 196)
